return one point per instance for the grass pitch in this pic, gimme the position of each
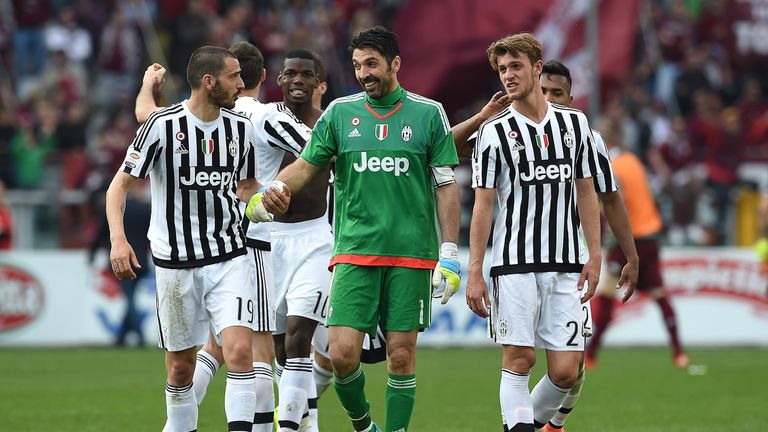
(632, 390)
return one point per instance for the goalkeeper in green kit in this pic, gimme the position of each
(394, 155)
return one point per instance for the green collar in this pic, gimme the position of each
(388, 100)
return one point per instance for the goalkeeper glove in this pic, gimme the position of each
(446, 279)
(255, 210)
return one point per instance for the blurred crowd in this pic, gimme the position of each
(692, 112)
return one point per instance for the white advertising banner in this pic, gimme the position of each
(50, 298)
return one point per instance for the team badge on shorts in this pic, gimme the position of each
(407, 132)
(503, 328)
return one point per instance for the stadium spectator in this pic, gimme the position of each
(374, 248)
(7, 133)
(65, 34)
(29, 50)
(32, 144)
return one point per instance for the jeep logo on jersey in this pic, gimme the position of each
(206, 178)
(381, 131)
(21, 297)
(387, 164)
(548, 171)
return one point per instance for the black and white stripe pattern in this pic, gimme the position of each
(206, 362)
(605, 182)
(194, 167)
(264, 310)
(277, 132)
(533, 167)
(177, 389)
(297, 365)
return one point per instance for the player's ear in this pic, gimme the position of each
(570, 100)
(396, 64)
(279, 77)
(263, 75)
(538, 67)
(208, 81)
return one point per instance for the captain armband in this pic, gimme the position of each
(442, 176)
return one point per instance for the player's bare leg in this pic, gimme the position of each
(349, 379)
(298, 395)
(181, 406)
(514, 396)
(550, 392)
(278, 341)
(239, 396)
(401, 383)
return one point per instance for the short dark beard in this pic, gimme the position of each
(219, 98)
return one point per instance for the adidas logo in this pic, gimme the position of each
(517, 146)
(181, 150)
(354, 133)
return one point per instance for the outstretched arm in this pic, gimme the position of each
(465, 129)
(149, 95)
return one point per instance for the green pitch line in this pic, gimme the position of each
(632, 390)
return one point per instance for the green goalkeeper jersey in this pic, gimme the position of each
(384, 193)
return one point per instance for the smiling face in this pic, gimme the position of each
(373, 73)
(518, 75)
(556, 89)
(298, 80)
(226, 87)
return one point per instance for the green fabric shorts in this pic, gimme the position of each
(398, 298)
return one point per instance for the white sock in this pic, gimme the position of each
(181, 408)
(294, 386)
(312, 420)
(205, 368)
(323, 379)
(515, 399)
(265, 398)
(570, 400)
(240, 401)
(278, 373)
(546, 398)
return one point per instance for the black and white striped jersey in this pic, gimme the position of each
(604, 182)
(533, 166)
(193, 167)
(277, 131)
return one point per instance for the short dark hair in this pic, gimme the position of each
(251, 63)
(322, 73)
(379, 39)
(554, 67)
(206, 60)
(304, 55)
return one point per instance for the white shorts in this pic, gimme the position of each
(301, 253)
(190, 302)
(374, 350)
(264, 290)
(540, 310)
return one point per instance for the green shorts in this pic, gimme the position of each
(397, 298)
